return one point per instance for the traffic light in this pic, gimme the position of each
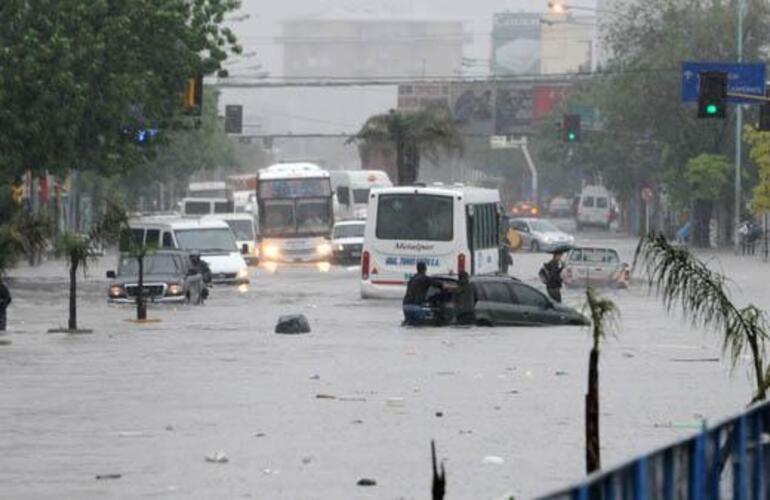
(764, 115)
(571, 128)
(712, 95)
(193, 94)
(233, 119)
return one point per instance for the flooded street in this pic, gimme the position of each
(307, 416)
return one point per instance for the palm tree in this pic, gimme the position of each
(604, 315)
(78, 249)
(26, 234)
(681, 279)
(408, 135)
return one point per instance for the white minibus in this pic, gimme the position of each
(450, 228)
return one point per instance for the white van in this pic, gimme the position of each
(197, 207)
(351, 191)
(594, 207)
(212, 239)
(244, 228)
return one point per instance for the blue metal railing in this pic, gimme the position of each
(730, 460)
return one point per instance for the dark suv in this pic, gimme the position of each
(169, 276)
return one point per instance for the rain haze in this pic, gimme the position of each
(359, 249)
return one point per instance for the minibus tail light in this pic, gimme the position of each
(460, 263)
(365, 266)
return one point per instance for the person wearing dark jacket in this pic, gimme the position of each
(465, 300)
(5, 300)
(416, 294)
(550, 274)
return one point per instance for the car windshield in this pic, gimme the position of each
(349, 231)
(214, 239)
(153, 264)
(415, 217)
(243, 230)
(543, 226)
(595, 255)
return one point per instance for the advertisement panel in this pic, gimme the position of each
(513, 108)
(473, 106)
(416, 96)
(516, 43)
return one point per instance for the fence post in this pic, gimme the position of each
(715, 469)
(698, 467)
(756, 456)
(739, 458)
(640, 479)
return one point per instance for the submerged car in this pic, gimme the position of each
(500, 301)
(540, 235)
(595, 266)
(347, 241)
(169, 276)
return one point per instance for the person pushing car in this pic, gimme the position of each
(416, 294)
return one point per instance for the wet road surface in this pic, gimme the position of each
(150, 401)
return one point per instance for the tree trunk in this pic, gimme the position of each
(593, 458)
(141, 305)
(73, 319)
(401, 177)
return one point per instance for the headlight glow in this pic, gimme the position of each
(175, 289)
(270, 251)
(242, 273)
(340, 248)
(116, 291)
(324, 249)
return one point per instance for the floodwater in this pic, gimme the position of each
(149, 402)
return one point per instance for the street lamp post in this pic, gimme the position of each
(738, 140)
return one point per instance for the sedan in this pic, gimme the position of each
(347, 241)
(525, 209)
(540, 235)
(168, 276)
(500, 301)
(593, 266)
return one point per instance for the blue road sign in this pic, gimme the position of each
(742, 78)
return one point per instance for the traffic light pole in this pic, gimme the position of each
(738, 139)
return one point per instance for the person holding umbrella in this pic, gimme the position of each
(550, 274)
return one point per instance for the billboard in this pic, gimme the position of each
(516, 43)
(416, 96)
(473, 107)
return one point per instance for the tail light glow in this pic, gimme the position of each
(365, 266)
(460, 263)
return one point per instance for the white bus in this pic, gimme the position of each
(210, 189)
(197, 207)
(295, 213)
(450, 228)
(351, 191)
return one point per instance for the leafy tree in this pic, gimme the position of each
(407, 136)
(644, 134)
(81, 78)
(707, 177)
(760, 154)
(604, 314)
(24, 235)
(702, 295)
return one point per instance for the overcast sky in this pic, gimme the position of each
(258, 31)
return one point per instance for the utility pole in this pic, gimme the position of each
(738, 140)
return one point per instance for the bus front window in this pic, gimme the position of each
(313, 216)
(415, 217)
(279, 217)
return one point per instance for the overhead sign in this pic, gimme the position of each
(742, 78)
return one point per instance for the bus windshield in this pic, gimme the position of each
(215, 239)
(415, 217)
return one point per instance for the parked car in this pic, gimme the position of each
(169, 276)
(525, 209)
(595, 266)
(540, 235)
(560, 207)
(501, 301)
(347, 241)
(595, 208)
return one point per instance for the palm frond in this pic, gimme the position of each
(605, 315)
(700, 293)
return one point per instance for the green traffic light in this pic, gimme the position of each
(571, 136)
(711, 109)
